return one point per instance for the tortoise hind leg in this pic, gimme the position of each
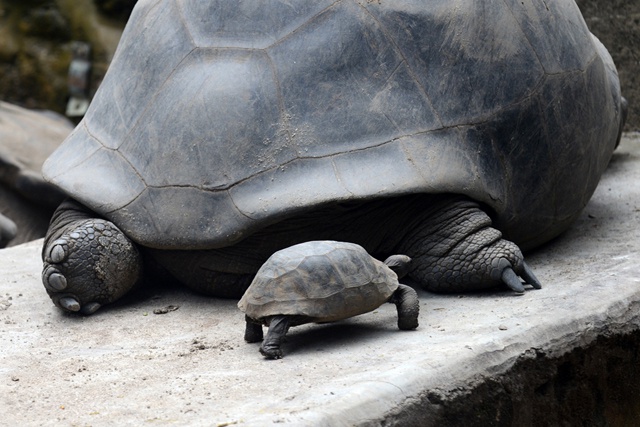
(456, 249)
(88, 262)
(278, 327)
(8, 230)
(253, 330)
(406, 300)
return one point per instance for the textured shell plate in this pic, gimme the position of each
(323, 280)
(217, 118)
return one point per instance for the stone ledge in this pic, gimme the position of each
(556, 354)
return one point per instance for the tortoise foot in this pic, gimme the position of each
(91, 264)
(406, 300)
(463, 252)
(278, 327)
(271, 352)
(497, 264)
(503, 263)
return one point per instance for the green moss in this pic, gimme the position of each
(82, 16)
(35, 48)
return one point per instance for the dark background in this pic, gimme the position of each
(617, 24)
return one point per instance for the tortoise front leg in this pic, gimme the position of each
(278, 327)
(88, 261)
(406, 300)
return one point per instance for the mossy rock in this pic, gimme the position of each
(36, 40)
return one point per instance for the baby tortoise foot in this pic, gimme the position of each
(278, 327)
(271, 351)
(405, 297)
(92, 263)
(406, 300)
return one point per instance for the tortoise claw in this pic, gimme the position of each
(271, 353)
(510, 278)
(53, 279)
(529, 277)
(90, 308)
(58, 254)
(69, 303)
(57, 281)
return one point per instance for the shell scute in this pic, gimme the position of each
(272, 109)
(324, 281)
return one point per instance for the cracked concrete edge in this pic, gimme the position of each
(417, 387)
(621, 317)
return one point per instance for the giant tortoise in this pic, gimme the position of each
(455, 132)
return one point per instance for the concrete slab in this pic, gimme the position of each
(127, 365)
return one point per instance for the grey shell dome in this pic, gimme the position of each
(322, 280)
(218, 118)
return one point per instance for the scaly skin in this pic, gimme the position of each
(89, 262)
(457, 250)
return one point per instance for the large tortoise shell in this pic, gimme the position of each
(219, 118)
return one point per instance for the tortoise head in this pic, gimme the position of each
(399, 264)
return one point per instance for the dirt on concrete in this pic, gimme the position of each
(617, 24)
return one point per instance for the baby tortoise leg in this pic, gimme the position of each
(458, 250)
(406, 300)
(8, 230)
(253, 330)
(88, 262)
(278, 327)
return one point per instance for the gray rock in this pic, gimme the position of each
(27, 138)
